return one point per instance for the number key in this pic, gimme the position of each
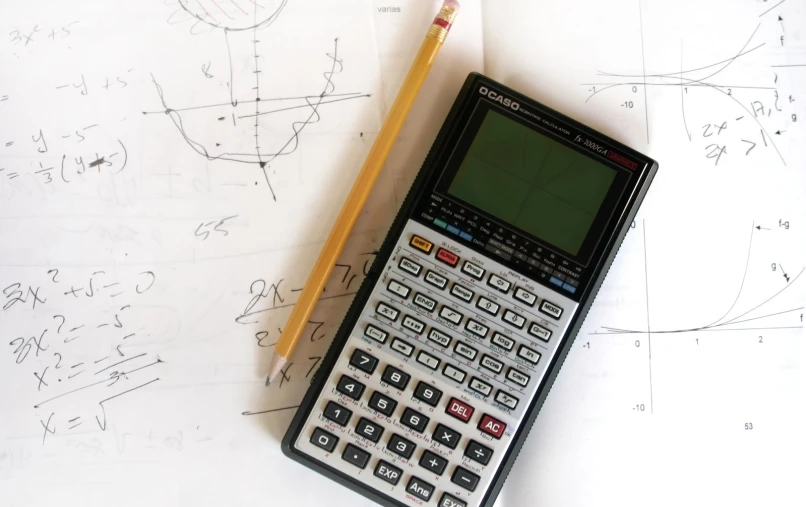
(324, 440)
(337, 413)
(363, 361)
(427, 394)
(401, 446)
(349, 387)
(395, 377)
(369, 429)
(382, 403)
(414, 420)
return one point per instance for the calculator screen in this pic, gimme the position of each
(532, 182)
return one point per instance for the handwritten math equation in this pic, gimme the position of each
(77, 334)
(270, 303)
(731, 110)
(44, 158)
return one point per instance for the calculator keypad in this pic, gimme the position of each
(437, 374)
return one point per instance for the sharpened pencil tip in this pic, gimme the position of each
(268, 381)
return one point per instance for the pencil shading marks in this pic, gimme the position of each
(230, 15)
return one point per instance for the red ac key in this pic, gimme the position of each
(459, 410)
(492, 426)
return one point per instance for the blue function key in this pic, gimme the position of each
(453, 230)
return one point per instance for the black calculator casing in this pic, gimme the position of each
(477, 87)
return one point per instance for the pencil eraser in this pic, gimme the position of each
(453, 4)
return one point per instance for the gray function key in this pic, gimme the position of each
(539, 332)
(502, 341)
(449, 500)
(438, 281)
(499, 283)
(465, 478)
(494, 365)
(424, 302)
(528, 354)
(409, 266)
(513, 318)
(462, 293)
(437, 336)
(480, 386)
(324, 440)
(355, 456)
(428, 360)
(477, 328)
(387, 472)
(404, 348)
(518, 377)
(465, 350)
(376, 334)
(454, 373)
(471, 269)
(419, 488)
(398, 288)
(506, 399)
(363, 361)
(524, 296)
(413, 324)
(387, 311)
(488, 306)
(450, 315)
(551, 309)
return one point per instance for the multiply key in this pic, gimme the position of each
(446, 436)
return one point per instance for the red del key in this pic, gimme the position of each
(459, 410)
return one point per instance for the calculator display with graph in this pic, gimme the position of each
(459, 330)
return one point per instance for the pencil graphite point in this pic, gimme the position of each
(276, 366)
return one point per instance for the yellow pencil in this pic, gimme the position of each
(361, 188)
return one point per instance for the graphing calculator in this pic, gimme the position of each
(453, 341)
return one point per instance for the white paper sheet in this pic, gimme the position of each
(157, 222)
(667, 413)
